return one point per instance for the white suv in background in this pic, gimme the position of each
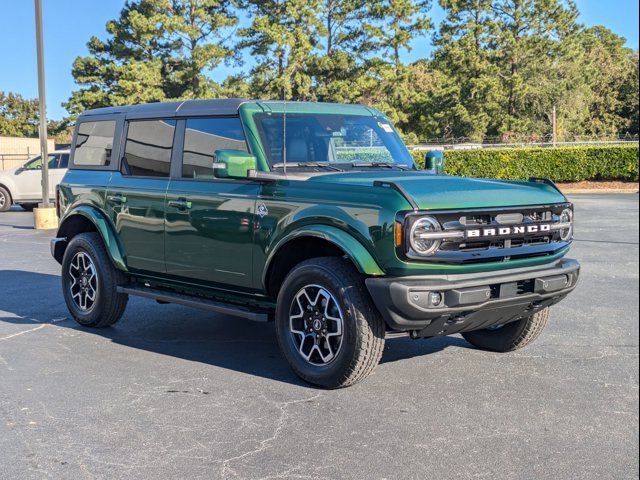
(23, 185)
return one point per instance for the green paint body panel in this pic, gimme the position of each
(227, 237)
(83, 193)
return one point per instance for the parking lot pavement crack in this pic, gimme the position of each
(265, 443)
(34, 329)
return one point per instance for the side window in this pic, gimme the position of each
(147, 152)
(202, 137)
(36, 163)
(94, 142)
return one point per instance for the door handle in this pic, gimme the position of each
(117, 199)
(180, 204)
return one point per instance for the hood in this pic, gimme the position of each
(434, 192)
(9, 173)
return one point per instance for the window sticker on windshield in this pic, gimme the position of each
(386, 127)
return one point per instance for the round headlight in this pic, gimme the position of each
(425, 246)
(566, 217)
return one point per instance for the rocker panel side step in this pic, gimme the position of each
(195, 302)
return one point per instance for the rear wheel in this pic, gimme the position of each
(511, 336)
(90, 281)
(5, 199)
(327, 326)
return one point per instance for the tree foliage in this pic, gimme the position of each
(19, 117)
(498, 67)
(155, 50)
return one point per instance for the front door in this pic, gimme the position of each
(136, 194)
(210, 221)
(28, 179)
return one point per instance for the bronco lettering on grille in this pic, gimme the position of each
(508, 231)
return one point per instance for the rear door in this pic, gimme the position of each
(136, 193)
(57, 170)
(210, 221)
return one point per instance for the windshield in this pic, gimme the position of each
(331, 141)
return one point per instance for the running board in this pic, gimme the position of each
(195, 302)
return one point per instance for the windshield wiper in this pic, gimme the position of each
(307, 164)
(381, 164)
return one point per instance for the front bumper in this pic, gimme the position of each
(470, 302)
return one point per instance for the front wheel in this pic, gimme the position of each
(5, 199)
(511, 336)
(327, 326)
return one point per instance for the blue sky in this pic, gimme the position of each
(68, 24)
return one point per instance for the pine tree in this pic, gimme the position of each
(155, 50)
(281, 38)
(528, 37)
(398, 23)
(463, 55)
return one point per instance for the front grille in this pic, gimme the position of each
(496, 248)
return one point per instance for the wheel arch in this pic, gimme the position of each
(321, 240)
(8, 189)
(88, 219)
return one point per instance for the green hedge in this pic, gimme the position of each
(562, 164)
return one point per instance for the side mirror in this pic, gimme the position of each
(233, 163)
(434, 161)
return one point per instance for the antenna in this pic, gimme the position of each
(284, 131)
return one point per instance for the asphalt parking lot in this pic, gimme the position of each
(176, 393)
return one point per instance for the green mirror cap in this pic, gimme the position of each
(435, 154)
(434, 160)
(237, 163)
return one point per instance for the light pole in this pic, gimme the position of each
(42, 107)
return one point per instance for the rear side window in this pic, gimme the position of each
(94, 142)
(202, 137)
(147, 152)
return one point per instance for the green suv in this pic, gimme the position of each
(310, 215)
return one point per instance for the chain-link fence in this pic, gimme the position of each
(13, 160)
(518, 141)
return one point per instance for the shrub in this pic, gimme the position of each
(562, 164)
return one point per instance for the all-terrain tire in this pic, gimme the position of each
(363, 327)
(109, 305)
(511, 336)
(5, 199)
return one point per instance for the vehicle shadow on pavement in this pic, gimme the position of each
(193, 335)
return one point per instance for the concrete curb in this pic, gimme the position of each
(599, 190)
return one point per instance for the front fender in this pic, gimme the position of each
(7, 182)
(353, 249)
(104, 227)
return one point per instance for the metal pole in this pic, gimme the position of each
(42, 106)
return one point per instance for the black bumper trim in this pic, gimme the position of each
(470, 301)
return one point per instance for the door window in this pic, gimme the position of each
(147, 151)
(63, 161)
(36, 163)
(94, 142)
(202, 137)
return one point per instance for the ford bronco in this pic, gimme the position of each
(312, 215)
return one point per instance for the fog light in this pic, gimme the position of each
(435, 299)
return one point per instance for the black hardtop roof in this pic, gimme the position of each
(227, 106)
